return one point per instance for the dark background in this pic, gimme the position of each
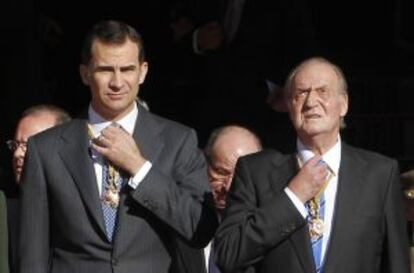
(372, 41)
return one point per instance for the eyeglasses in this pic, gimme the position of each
(13, 145)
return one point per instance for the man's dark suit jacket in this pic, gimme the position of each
(4, 260)
(192, 260)
(62, 226)
(13, 218)
(262, 227)
(189, 259)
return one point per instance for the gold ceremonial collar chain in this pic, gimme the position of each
(110, 196)
(316, 223)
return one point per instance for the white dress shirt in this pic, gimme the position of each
(333, 159)
(97, 124)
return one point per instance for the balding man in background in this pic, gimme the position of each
(32, 121)
(224, 147)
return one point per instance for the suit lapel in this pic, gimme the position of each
(147, 135)
(349, 183)
(75, 154)
(284, 171)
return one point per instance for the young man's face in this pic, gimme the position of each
(114, 74)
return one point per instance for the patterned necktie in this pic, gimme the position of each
(110, 197)
(112, 182)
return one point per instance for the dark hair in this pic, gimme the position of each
(61, 115)
(111, 32)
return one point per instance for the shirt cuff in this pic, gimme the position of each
(296, 201)
(140, 175)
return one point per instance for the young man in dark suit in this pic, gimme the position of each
(110, 191)
(328, 207)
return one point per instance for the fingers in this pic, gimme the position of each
(119, 147)
(314, 161)
(310, 179)
(100, 141)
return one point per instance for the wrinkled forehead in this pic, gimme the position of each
(315, 75)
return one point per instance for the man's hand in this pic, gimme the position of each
(119, 147)
(310, 179)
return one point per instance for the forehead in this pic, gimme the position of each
(108, 53)
(34, 124)
(315, 75)
(230, 146)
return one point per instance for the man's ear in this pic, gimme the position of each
(144, 70)
(344, 104)
(84, 73)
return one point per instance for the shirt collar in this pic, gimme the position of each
(332, 157)
(98, 123)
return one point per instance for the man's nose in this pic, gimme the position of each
(116, 80)
(19, 152)
(311, 98)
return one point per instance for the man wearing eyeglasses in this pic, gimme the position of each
(224, 147)
(33, 120)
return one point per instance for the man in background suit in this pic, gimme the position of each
(225, 145)
(4, 261)
(33, 120)
(112, 190)
(329, 207)
(229, 52)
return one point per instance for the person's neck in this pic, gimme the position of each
(319, 145)
(112, 115)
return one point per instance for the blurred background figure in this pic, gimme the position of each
(407, 181)
(226, 54)
(32, 121)
(224, 146)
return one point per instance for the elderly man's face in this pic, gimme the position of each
(316, 104)
(27, 127)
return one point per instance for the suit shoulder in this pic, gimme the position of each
(51, 133)
(370, 156)
(263, 157)
(169, 124)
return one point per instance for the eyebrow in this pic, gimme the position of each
(112, 68)
(308, 89)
